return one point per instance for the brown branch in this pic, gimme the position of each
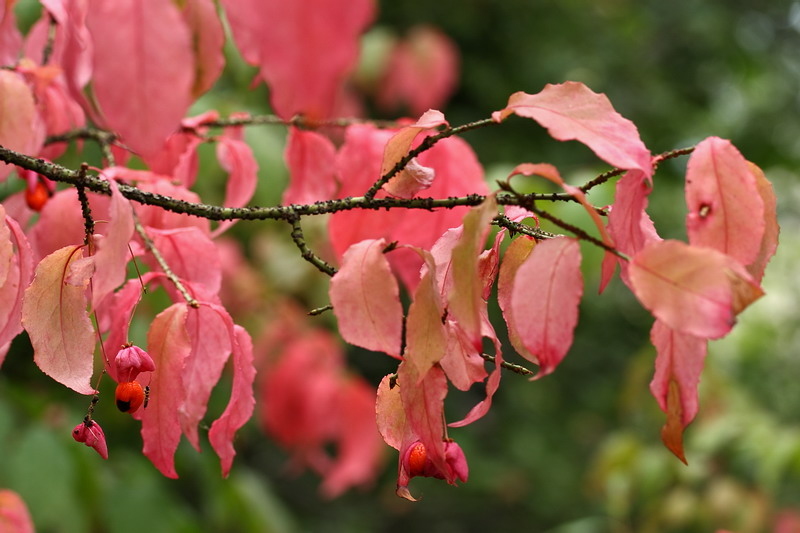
(305, 251)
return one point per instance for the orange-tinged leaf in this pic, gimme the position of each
(691, 289)
(168, 344)
(572, 111)
(14, 515)
(546, 292)
(426, 336)
(391, 417)
(366, 299)
(55, 317)
(423, 403)
(409, 181)
(21, 128)
(679, 362)
(769, 243)
(726, 211)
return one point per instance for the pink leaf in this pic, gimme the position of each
(113, 254)
(769, 243)
(169, 345)
(236, 157)
(18, 276)
(21, 128)
(461, 363)
(413, 178)
(547, 290)
(10, 37)
(693, 290)
(240, 406)
(311, 159)
(155, 42)
(421, 72)
(516, 254)
(366, 299)
(14, 515)
(55, 317)
(423, 403)
(156, 217)
(678, 366)
(304, 49)
(208, 38)
(390, 415)
(426, 336)
(210, 331)
(571, 111)
(726, 211)
(191, 255)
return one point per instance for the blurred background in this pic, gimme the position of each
(578, 451)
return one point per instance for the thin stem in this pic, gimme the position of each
(319, 310)
(51, 39)
(509, 366)
(151, 247)
(305, 251)
(298, 120)
(425, 145)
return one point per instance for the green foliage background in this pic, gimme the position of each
(578, 451)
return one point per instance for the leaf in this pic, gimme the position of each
(236, 157)
(191, 255)
(572, 111)
(390, 415)
(693, 290)
(169, 345)
(21, 128)
(413, 178)
(517, 252)
(726, 211)
(366, 299)
(304, 49)
(769, 243)
(240, 406)
(547, 290)
(14, 515)
(10, 37)
(423, 403)
(208, 38)
(311, 160)
(17, 278)
(55, 317)
(210, 331)
(678, 367)
(466, 297)
(158, 65)
(152, 216)
(426, 337)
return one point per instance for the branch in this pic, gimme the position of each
(509, 366)
(300, 240)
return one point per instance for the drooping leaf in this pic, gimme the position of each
(678, 366)
(366, 299)
(391, 417)
(240, 406)
(210, 331)
(516, 254)
(693, 290)
(237, 158)
(413, 178)
(169, 345)
(191, 255)
(572, 111)
(55, 317)
(18, 275)
(544, 303)
(311, 159)
(14, 515)
(726, 211)
(208, 38)
(304, 49)
(769, 243)
(10, 37)
(21, 128)
(426, 337)
(156, 43)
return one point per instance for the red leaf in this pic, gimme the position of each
(423, 403)
(208, 38)
(693, 290)
(169, 345)
(10, 37)
(366, 299)
(21, 128)
(413, 178)
(158, 66)
(304, 49)
(157, 217)
(311, 159)
(421, 72)
(571, 111)
(191, 255)
(678, 367)
(516, 254)
(18, 272)
(769, 243)
(55, 317)
(210, 331)
(547, 290)
(14, 515)
(426, 336)
(726, 211)
(236, 157)
(240, 406)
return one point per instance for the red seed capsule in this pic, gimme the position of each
(37, 197)
(416, 459)
(129, 396)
